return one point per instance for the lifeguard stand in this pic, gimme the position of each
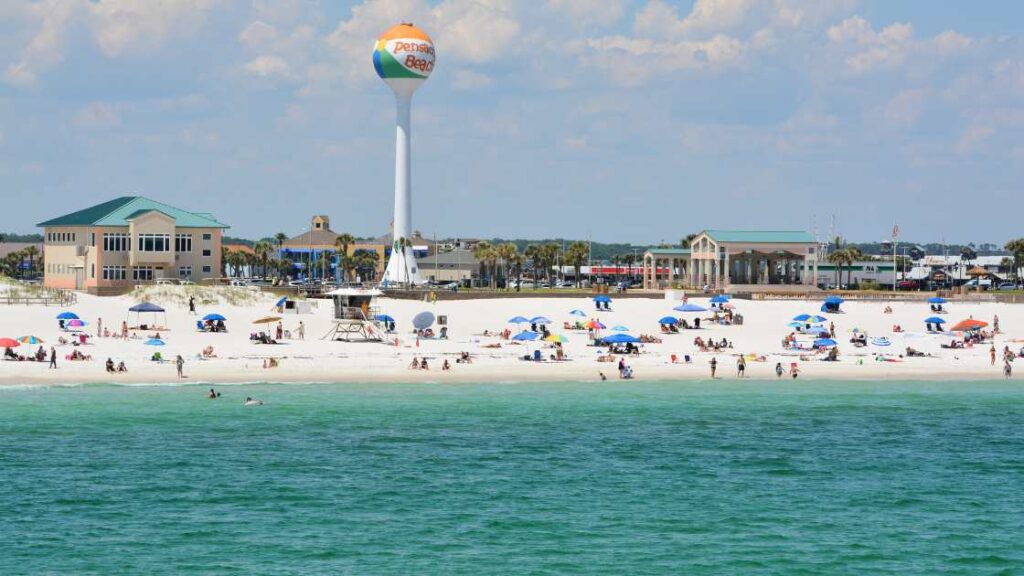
(355, 316)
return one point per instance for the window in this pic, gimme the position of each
(183, 243)
(207, 236)
(185, 272)
(207, 269)
(154, 242)
(206, 252)
(92, 239)
(142, 273)
(115, 242)
(114, 273)
(92, 270)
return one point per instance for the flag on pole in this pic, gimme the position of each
(895, 231)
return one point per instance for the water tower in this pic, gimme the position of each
(404, 58)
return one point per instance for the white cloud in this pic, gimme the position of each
(631, 61)
(121, 26)
(973, 137)
(45, 49)
(905, 108)
(585, 13)
(866, 50)
(268, 66)
(97, 115)
(470, 80)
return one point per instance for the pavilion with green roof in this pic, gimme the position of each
(723, 259)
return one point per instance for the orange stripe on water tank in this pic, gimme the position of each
(405, 31)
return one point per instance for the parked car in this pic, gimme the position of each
(1006, 286)
(973, 284)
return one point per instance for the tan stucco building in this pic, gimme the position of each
(127, 241)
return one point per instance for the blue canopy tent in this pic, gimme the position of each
(824, 342)
(602, 298)
(602, 302)
(214, 318)
(690, 307)
(526, 336)
(935, 320)
(146, 308)
(937, 300)
(620, 339)
(668, 321)
(831, 304)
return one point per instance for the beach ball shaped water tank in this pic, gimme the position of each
(404, 52)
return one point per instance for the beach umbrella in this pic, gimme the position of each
(518, 320)
(154, 342)
(668, 321)
(595, 325)
(969, 325)
(75, 323)
(815, 319)
(620, 339)
(423, 320)
(558, 338)
(620, 328)
(834, 300)
(796, 324)
(801, 318)
(9, 343)
(719, 299)
(881, 342)
(934, 320)
(145, 307)
(689, 307)
(579, 313)
(936, 300)
(539, 320)
(67, 316)
(818, 330)
(525, 336)
(267, 320)
(602, 298)
(281, 302)
(214, 318)
(824, 342)
(383, 318)
(30, 340)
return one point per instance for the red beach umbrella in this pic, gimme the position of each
(9, 343)
(968, 325)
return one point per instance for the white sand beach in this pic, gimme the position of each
(313, 359)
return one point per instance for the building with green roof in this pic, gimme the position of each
(724, 259)
(130, 240)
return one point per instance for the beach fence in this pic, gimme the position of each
(41, 296)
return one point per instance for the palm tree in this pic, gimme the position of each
(343, 241)
(1016, 249)
(507, 253)
(484, 252)
(31, 251)
(534, 254)
(853, 254)
(550, 256)
(262, 251)
(629, 259)
(685, 241)
(280, 238)
(839, 257)
(224, 257)
(577, 254)
(367, 260)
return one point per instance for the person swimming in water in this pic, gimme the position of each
(250, 401)
(213, 395)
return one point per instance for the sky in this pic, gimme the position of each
(612, 120)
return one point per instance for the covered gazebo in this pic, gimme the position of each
(663, 267)
(721, 258)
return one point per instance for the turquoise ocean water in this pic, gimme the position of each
(637, 478)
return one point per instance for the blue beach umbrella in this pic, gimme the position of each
(518, 320)
(539, 320)
(816, 319)
(214, 318)
(719, 299)
(802, 318)
(668, 320)
(824, 342)
(67, 316)
(796, 324)
(281, 302)
(579, 313)
(525, 336)
(154, 342)
(602, 298)
(881, 342)
(934, 320)
(690, 307)
(620, 339)
(936, 300)
(384, 318)
(834, 300)
(620, 328)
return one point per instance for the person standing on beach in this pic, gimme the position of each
(53, 357)
(99, 327)
(741, 367)
(1007, 368)
(995, 324)
(714, 366)
(832, 329)
(124, 329)
(192, 305)
(301, 330)
(180, 363)
(794, 371)
(778, 370)
(992, 353)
